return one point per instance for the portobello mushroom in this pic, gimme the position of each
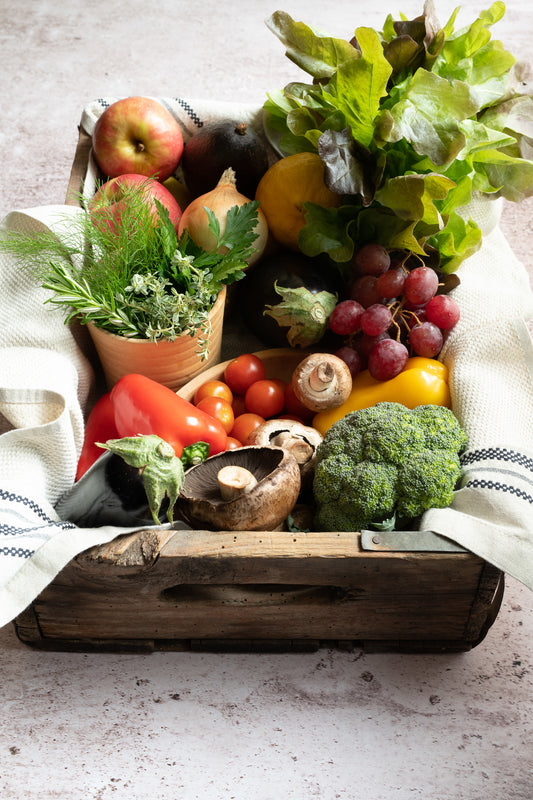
(256, 493)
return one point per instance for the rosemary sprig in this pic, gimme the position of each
(125, 270)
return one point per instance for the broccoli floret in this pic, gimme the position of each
(330, 476)
(389, 438)
(427, 481)
(386, 461)
(347, 490)
(441, 428)
(346, 439)
(331, 518)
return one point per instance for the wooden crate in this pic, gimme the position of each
(175, 590)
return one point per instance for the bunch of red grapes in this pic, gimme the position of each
(393, 310)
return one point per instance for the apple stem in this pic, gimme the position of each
(139, 146)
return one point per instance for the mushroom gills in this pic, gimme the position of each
(237, 504)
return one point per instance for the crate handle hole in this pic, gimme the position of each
(251, 594)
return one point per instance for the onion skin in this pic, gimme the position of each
(219, 200)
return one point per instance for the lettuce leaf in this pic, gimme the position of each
(409, 122)
(427, 116)
(318, 54)
(370, 74)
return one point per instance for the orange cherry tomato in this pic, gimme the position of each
(265, 397)
(244, 425)
(243, 371)
(219, 409)
(232, 443)
(213, 388)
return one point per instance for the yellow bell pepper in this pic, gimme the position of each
(423, 381)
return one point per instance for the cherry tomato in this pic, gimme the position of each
(213, 388)
(238, 404)
(243, 371)
(219, 409)
(294, 406)
(265, 398)
(233, 444)
(244, 425)
(282, 384)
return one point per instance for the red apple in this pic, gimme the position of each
(137, 135)
(112, 193)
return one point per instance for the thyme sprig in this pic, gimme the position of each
(125, 270)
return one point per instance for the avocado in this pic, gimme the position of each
(219, 145)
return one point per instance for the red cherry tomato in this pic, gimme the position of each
(244, 425)
(243, 371)
(213, 389)
(219, 409)
(265, 398)
(294, 406)
(233, 444)
(282, 384)
(238, 405)
(291, 416)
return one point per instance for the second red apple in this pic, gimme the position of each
(113, 192)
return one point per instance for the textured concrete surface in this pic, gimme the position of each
(212, 726)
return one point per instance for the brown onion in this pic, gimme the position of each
(219, 200)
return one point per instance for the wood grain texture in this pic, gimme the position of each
(164, 590)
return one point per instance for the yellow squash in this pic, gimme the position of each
(423, 381)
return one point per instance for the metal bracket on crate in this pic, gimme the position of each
(409, 541)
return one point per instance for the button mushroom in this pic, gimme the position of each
(322, 381)
(251, 488)
(298, 439)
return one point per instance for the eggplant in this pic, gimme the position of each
(136, 482)
(290, 270)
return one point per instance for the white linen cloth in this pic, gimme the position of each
(490, 357)
(47, 382)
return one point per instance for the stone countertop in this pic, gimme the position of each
(329, 724)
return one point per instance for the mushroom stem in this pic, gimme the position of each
(322, 381)
(301, 450)
(321, 376)
(234, 481)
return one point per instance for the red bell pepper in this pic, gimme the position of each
(143, 406)
(138, 405)
(100, 427)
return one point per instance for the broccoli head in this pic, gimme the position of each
(386, 463)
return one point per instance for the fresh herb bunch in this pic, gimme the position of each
(126, 271)
(409, 122)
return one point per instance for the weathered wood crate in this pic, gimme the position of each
(177, 590)
(174, 590)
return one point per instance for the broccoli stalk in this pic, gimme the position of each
(385, 464)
